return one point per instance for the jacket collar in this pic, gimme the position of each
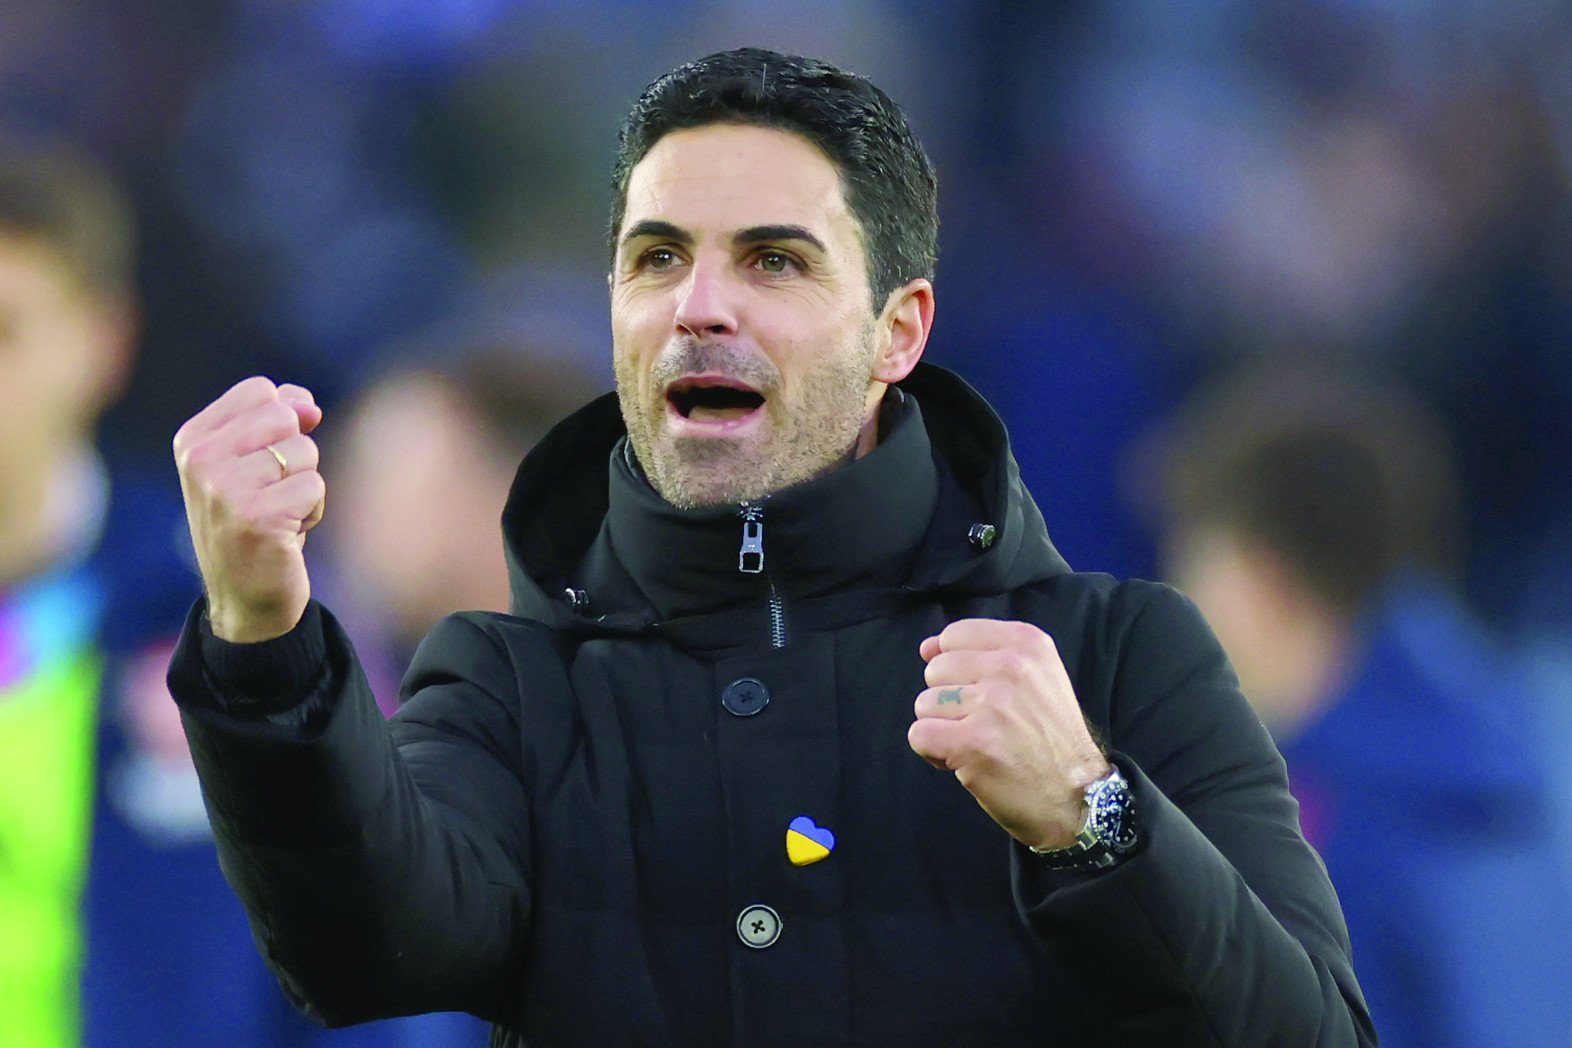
(857, 527)
(591, 548)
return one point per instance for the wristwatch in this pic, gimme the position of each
(1108, 832)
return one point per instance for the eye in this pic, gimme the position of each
(776, 263)
(658, 259)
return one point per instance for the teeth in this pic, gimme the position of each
(703, 413)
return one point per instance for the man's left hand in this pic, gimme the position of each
(1000, 712)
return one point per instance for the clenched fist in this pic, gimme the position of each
(999, 711)
(248, 471)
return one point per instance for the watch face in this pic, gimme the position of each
(1111, 815)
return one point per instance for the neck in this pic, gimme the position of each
(1309, 665)
(46, 513)
(868, 436)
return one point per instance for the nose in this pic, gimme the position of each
(707, 301)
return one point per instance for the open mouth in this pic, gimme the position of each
(712, 399)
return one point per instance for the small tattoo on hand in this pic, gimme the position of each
(949, 695)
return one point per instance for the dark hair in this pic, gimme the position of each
(888, 180)
(1343, 475)
(513, 388)
(61, 199)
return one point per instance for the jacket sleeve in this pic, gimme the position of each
(1223, 929)
(383, 864)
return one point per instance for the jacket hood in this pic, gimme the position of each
(591, 547)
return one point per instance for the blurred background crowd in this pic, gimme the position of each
(1275, 296)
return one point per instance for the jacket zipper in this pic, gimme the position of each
(750, 561)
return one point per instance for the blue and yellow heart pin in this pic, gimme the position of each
(807, 842)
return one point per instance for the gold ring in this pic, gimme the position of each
(283, 466)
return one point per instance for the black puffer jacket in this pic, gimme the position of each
(569, 823)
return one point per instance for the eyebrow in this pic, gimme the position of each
(653, 228)
(752, 235)
(763, 234)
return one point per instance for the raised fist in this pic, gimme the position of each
(248, 471)
(1000, 712)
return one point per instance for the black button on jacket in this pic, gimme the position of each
(561, 826)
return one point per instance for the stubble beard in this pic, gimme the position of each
(798, 442)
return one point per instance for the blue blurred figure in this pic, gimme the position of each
(116, 927)
(71, 549)
(1312, 516)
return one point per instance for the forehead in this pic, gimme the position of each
(724, 177)
(31, 266)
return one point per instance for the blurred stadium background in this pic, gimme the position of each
(1135, 197)
(1133, 194)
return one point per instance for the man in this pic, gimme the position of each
(66, 324)
(444, 425)
(675, 801)
(1313, 516)
(115, 926)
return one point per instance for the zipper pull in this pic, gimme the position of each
(750, 558)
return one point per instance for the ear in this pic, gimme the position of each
(113, 324)
(905, 322)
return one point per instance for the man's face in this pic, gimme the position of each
(61, 353)
(746, 350)
(1252, 605)
(413, 443)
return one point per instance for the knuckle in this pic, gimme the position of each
(964, 755)
(1023, 634)
(280, 415)
(1013, 663)
(194, 456)
(976, 754)
(246, 509)
(992, 738)
(191, 446)
(255, 386)
(209, 491)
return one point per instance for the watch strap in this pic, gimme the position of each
(1107, 831)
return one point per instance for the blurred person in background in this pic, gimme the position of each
(116, 927)
(443, 426)
(1314, 517)
(67, 324)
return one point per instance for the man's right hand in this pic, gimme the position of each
(248, 514)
